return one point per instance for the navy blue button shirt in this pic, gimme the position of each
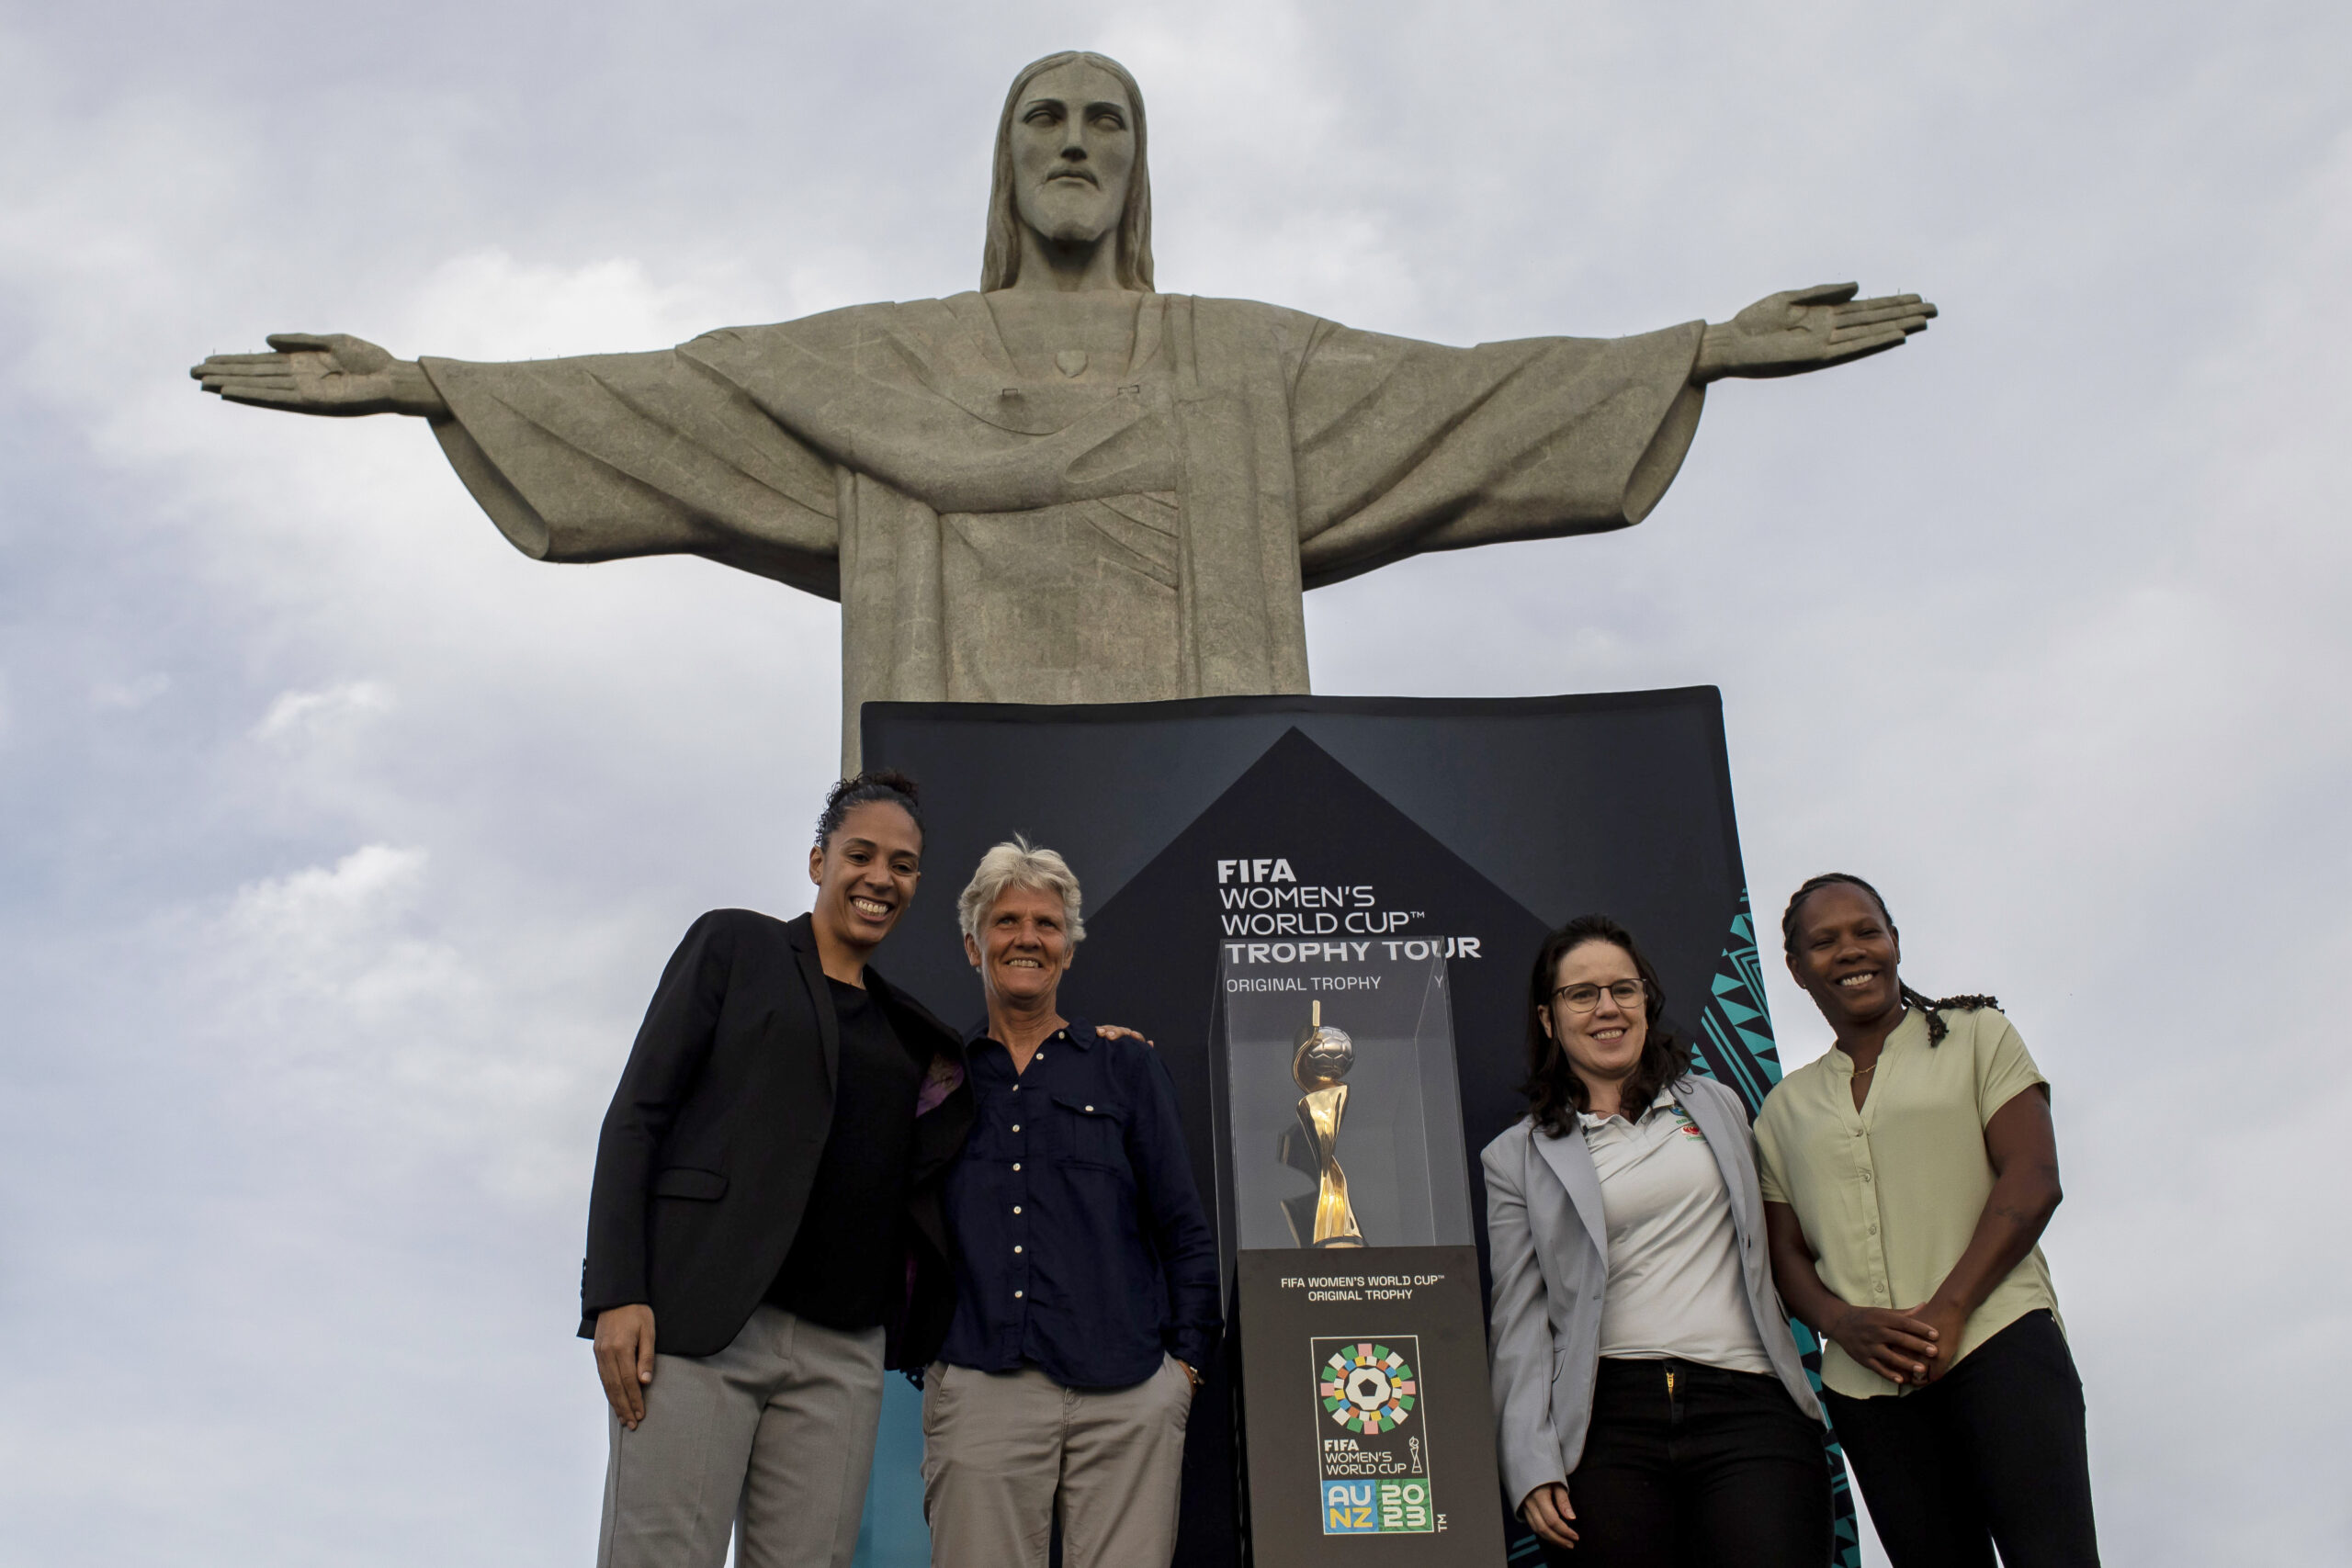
(1081, 1245)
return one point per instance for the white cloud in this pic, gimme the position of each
(488, 305)
(325, 956)
(311, 712)
(130, 695)
(364, 887)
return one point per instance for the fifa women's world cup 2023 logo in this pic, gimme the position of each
(1372, 1460)
(1318, 1062)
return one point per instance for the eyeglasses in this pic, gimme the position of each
(1585, 998)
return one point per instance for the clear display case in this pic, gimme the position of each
(1341, 1116)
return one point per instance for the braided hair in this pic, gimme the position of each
(878, 784)
(1932, 1010)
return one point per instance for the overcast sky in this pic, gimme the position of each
(343, 843)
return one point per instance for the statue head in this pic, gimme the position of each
(1051, 183)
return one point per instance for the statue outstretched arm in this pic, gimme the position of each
(1799, 330)
(1403, 447)
(597, 457)
(323, 372)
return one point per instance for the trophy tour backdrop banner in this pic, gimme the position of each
(1255, 866)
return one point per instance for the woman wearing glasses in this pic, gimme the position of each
(1651, 1404)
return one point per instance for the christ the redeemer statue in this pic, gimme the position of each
(1068, 487)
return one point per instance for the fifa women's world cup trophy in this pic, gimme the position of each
(1322, 1060)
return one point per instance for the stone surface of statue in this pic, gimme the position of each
(1067, 487)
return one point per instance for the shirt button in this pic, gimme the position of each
(1090, 1108)
(1016, 1126)
(1016, 1165)
(1016, 1250)
(1866, 1176)
(1016, 1295)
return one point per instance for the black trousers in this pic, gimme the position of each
(1991, 1455)
(1688, 1466)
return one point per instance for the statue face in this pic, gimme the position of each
(1073, 150)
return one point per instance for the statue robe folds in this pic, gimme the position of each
(1113, 533)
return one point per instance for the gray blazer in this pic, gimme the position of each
(1550, 1247)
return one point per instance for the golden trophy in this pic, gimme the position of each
(1322, 1058)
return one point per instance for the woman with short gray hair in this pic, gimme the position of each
(1018, 864)
(1086, 1276)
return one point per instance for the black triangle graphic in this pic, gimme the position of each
(1150, 956)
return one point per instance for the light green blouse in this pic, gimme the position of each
(1889, 1195)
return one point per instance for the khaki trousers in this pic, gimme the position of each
(1003, 1452)
(770, 1441)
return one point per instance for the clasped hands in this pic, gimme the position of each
(1913, 1346)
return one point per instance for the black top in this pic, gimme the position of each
(849, 1260)
(1082, 1245)
(710, 1149)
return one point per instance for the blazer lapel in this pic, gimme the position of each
(802, 933)
(1724, 1136)
(943, 1108)
(1571, 1161)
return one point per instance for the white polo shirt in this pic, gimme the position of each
(1674, 1282)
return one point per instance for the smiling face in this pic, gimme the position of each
(1024, 948)
(1604, 1046)
(1846, 956)
(866, 875)
(1073, 150)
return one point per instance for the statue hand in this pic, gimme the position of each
(1805, 329)
(332, 373)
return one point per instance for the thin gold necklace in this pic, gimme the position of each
(1865, 1072)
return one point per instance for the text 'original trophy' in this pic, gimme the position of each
(1322, 1218)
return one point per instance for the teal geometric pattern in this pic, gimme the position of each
(1736, 1048)
(1734, 1044)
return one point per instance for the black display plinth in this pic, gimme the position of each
(1365, 1411)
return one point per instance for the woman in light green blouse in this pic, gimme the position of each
(1907, 1178)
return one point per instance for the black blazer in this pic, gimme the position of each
(712, 1141)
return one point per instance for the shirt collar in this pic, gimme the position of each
(1665, 1097)
(1912, 1025)
(1077, 1032)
